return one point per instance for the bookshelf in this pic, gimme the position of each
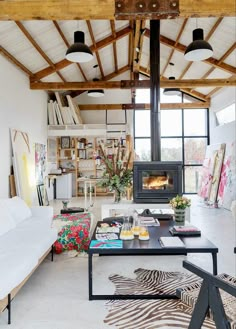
(82, 159)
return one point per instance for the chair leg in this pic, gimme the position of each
(52, 254)
(9, 308)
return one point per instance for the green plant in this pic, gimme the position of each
(180, 202)
(118, 175)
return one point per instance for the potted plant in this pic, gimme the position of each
(117, 175)
(179, 205)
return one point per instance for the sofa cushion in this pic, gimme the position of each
(6, 221)
(15, 267)
(18, 209)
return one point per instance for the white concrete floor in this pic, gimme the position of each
(56, 295)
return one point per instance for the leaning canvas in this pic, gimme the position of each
(24, 166)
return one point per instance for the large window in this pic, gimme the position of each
(184, 136)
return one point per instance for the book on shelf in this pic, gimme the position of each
(171, 242)
(186, 230)
(106, 244)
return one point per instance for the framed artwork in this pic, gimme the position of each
(65, 142)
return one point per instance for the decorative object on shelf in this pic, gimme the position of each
(179, 204)
(79, 52)
(199, 49)
(117, 175)
(65, 142)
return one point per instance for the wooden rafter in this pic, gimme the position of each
(13, 60)
(216, 89)
(145, 106)
(181, 48)
(226, 54)
(127, 84)
(74, 10)
(68, 45)
(213, 29)
(113, 31)
(38, 48)
(173, 49)
(95, 48)
(136, 45)
(194, 93)
(64, 63)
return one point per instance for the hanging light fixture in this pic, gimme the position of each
(199, 49)
(96, 92)
(171, 91)
(79, 52)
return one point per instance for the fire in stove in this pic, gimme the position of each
(155, 182)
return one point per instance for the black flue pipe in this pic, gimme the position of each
(155, 90)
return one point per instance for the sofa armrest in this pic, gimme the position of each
(42, 211)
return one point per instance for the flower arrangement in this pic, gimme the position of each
(180, 202)
(118, 173)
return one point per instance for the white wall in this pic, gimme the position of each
(22, 109)
(225, 133)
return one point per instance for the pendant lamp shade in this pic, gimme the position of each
(199, 49)
(96, 92)
(172, 91)
(79, 52)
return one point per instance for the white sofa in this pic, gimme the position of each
(26, 237)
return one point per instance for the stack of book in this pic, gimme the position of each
(187, 230)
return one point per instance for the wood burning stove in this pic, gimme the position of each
(156, 181)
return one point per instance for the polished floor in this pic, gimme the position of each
(56, 295)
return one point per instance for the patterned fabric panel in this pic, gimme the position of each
(74, 235)
(189, 296)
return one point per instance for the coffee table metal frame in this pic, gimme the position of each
(151, 247)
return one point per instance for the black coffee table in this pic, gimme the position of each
(152, 247)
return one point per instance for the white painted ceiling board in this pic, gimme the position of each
(122, 46)
(72, 73)
(107, 59)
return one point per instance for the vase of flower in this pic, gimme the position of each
(179, 215)
(179, 205)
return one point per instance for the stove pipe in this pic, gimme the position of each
(155, 90)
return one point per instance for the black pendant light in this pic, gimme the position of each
(79, 52)
(199, 49)
(96, 92)
(171, 91)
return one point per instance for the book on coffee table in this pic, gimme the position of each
(171, 242)
(186, 230)
(108, 244)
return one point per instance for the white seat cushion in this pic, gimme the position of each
(15, 267)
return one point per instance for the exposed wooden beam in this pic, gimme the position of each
(90, 9)
(113, 31)
(14, 61)
(127, 84)
(95, 48)
(181, 48)
(146, 106)
(217, 88)
(172, 50)
(115, 74)
(64, 63)
(37, 47)
(68, 45)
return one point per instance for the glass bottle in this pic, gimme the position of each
(126, 231)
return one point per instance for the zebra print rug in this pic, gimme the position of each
(151, 314)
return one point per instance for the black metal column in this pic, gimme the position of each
(155, 90)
